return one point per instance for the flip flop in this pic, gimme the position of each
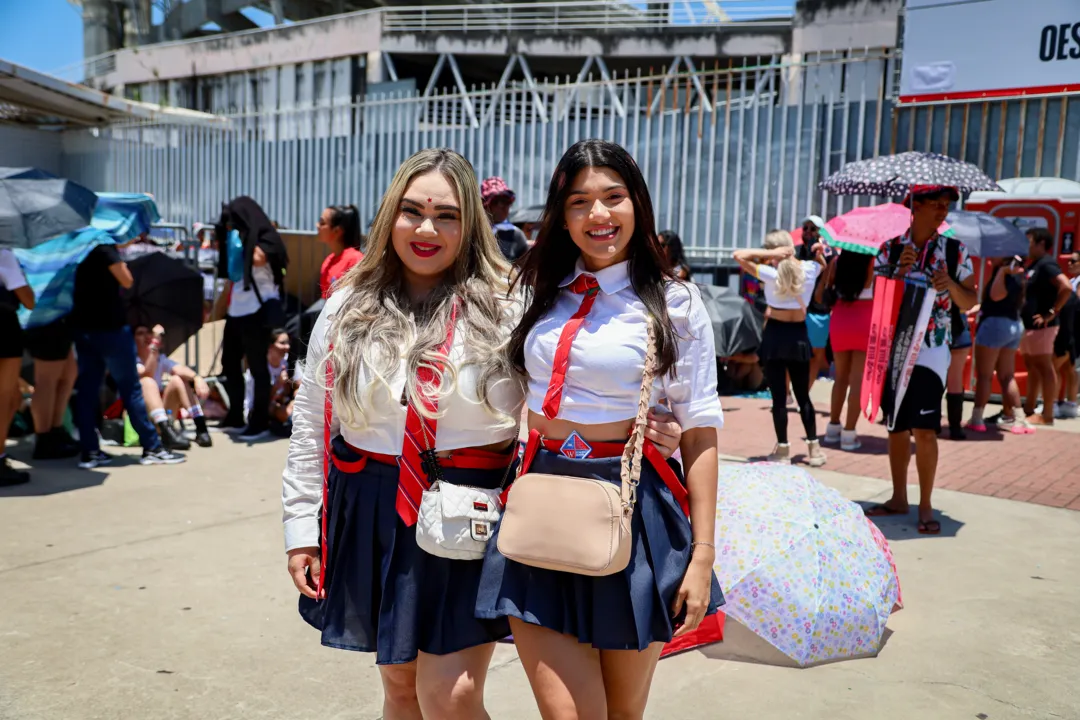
(929, 527)
(883, 511)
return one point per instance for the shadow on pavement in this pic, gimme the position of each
(905, 527)
(58, 478)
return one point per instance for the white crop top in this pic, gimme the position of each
(466, 423)
(767, 275)
(607, 357)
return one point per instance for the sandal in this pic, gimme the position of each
(929, 527)
(883, 511)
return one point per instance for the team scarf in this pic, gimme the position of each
(50, 273)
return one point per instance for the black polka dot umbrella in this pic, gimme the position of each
(894, 175)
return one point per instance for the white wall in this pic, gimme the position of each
(25, 147)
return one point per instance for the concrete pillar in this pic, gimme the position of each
(99, 34)
(376, 73)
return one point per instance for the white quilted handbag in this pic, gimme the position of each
(455, 521)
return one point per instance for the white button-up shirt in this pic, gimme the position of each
(607, 357)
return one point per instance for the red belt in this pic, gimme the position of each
(609, 450)
(465, 459)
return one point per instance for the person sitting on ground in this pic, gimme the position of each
(282, 387)
(184, 390)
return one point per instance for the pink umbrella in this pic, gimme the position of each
(866, 229)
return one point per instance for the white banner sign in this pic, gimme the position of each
(968, 49)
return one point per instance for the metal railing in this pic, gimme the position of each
(605, 16)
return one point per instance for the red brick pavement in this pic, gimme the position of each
(1043, 468)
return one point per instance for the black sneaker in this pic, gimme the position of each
(161, 456)
(94, 459)
(54, 445)
(171, 437)
(250, 434)
(202, 439)
(9, 476)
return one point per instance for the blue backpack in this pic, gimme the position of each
(235, 250)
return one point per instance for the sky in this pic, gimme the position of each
(46, 35)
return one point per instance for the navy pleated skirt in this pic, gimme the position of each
(383, 593)
(625, 611)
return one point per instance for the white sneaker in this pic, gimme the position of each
(1065, 410)
(849, 440)
(833, 434)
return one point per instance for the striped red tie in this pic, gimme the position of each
(420, 436)
(583, 285)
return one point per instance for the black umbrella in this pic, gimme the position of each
(530, 214)
(736, 322)
(985, 235)
(894, 175)
(167, 292)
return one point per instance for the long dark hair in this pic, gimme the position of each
(554, 255)
(673, 244)
(347, 217)
(849, 275)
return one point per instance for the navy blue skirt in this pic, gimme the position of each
(625, 611)
(383, 593)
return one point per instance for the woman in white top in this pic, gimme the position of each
(785, 344)
(597, 273)
(433, 273)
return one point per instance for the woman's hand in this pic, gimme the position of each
(694, 590)
(663, 430)
(300, 559)
(202, 390)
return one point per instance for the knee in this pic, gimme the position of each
(627, 706)
(924, 437)
(456, 696)
(177, 384)
(399, 692)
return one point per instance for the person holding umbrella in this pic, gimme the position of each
(103, 341)
(14, 291)
(922, 256)
(254, 259)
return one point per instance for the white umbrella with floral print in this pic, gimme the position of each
(800, 565)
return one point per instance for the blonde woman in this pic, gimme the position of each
(785, 345)
(414, 341)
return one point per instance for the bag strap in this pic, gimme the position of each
(631, 458)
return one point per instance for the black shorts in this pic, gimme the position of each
(921, 408)
(1065, 341)
(50, 342)
(11, 335)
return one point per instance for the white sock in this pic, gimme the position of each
(196, 410)
(158, 416)
(976, 416)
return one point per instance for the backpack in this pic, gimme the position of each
(952, 261)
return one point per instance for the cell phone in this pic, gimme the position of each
(1014, 263)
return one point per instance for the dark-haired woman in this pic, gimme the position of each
(598, 276)
(339, 229)
(672, 244)
(851, 278)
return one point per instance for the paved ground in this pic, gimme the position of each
(162, 593)
(1043, 468)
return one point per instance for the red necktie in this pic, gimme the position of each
(420, 438)
(586, 285)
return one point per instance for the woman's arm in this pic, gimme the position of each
(25, 296)
(998, 291)
(699, 455)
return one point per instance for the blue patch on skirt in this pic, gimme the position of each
(625, 611)
(383, 593)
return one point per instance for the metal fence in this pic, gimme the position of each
(729, 152)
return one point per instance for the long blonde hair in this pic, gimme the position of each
(377, 323)
(790, 278)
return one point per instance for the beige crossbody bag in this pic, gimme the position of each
(577, 524)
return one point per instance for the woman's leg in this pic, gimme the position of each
(452, 686)
(800, 387)
(399, 692)
(986, 360)
(10, 397)
(1006, 374)
(954, 392)
(48, 375)
(176, 395)
(565, 675)
(818, 362)
(840, 385)
(628, 676)
(776, 378)
(64, 389)
(855, 377)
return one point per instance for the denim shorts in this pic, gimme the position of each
(961, 341)
(999, 332)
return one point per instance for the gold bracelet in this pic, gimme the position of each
(702, 542)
